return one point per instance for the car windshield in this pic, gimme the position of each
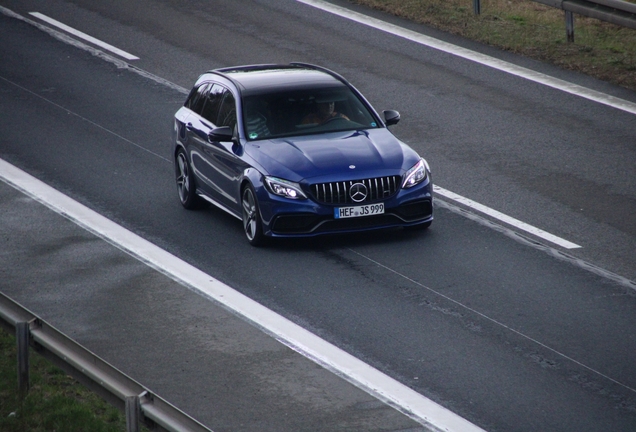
(303, 112)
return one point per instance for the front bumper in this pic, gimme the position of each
(306, 218)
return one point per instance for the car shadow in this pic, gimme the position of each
(387, 236)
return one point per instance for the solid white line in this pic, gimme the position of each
(505, 218)
(360, 374)
(483, 59)
(84, 36)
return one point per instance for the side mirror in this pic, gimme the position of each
(391, 117)
(223, 133)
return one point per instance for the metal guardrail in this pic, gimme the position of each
(616, 12)
(139, 404)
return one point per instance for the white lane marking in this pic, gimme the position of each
(483, 59)
(505, 218)
(84, 36)
(343, 364)
(120, 64)
(553, 252)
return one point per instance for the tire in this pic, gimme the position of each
(252, 223)
(186, 186)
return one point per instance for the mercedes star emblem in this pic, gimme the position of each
(358, 192)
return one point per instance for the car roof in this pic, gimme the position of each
(261, 78)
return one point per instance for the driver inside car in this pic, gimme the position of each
(323, 112)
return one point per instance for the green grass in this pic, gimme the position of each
(55, 402)
(600, 49)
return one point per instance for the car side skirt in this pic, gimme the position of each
(219, 205)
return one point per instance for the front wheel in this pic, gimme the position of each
(252, 224)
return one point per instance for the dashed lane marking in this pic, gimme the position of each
(516, 223)
(84, 36)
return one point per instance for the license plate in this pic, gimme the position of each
(358, 211)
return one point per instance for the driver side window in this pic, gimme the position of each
(227, 110)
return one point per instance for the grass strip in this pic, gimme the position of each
(601, 50)
(55, 402)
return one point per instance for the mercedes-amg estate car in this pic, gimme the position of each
(295, 150)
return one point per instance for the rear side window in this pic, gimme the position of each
(197, 98)
(213, 102)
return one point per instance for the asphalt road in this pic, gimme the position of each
(507, 331)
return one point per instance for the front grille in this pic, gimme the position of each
(378, 188)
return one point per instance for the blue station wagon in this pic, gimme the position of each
(295, 151)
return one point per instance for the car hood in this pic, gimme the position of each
(346, 155)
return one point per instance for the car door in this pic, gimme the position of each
(217, 163)
(204, 109)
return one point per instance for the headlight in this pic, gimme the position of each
(415, 175)
(284, 188)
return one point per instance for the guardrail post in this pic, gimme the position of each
(477, 7)
(22, 338)
(569, 25)
(132, 413)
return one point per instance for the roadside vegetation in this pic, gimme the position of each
(55, 402)
(602, 50)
